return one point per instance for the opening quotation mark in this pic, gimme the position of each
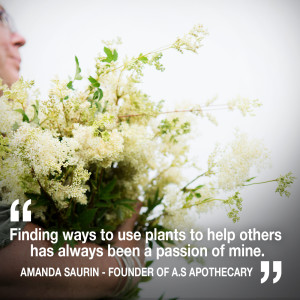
(15, 214)
(265, 268)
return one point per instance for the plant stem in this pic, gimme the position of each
(44, 121)
(117, 88)
(184, 188)
(201, 202)
(259, 182)
(175, 111)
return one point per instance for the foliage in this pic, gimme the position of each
(85, 157)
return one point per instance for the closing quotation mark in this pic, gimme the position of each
(15, 214)
(265, 268)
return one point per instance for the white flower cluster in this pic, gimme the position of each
(112, 138)
(8, 117)
(95, 148)
(181, 212)
(191, 41)
(244, 105)
(234, 163)
(45, 153)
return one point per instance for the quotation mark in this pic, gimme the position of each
(265, 268)
(15, 214)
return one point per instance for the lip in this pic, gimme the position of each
(17, 59)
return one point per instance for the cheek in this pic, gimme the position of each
(3, 53)
(8, 72)
(5, 42)
(3, 67)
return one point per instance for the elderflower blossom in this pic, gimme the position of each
(15, 180)
(104, 122)
(95, 149)
(211, 118)
(76, 190)
(59, 89)
(8, 117)
(191, 41)
(137, 144)
(18, 92)
(174, 199)
(44, 153)
(182, 209)
(245, 105)
(183, 220)
(233, 165)
(77, 109)
(210, 101)
(4, 147)
(110, 43)
(176, 214)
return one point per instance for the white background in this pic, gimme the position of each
(252, 50)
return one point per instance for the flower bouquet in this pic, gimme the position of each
(85, 156)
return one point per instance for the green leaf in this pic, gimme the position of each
(198, 187)
(250, 179)
(115, 55)
(110, 196)
(127, 206)
(70, 85)
(72, 243)
(78, 70)
(159, 243)
(170, 242)
(38, 199)
(120, 213)
(143, 58)
(108, 60)
(36, 113)
(108, 51)
(94, 82)
(101, 204)
(69, 210)
(60, 242)
(150, 243)
(87, 217)
(149, 263)
(96, 95)
(128, 201)
(161, 297)
(109, 187)
(109, 54)
(145, 278)
(25, 117)
(40, 203)
(100, 94)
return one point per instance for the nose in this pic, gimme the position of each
(17, 39)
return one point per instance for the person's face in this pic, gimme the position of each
(10, 59)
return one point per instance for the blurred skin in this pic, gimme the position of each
(10, 59)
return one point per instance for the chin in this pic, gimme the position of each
(11, 78)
